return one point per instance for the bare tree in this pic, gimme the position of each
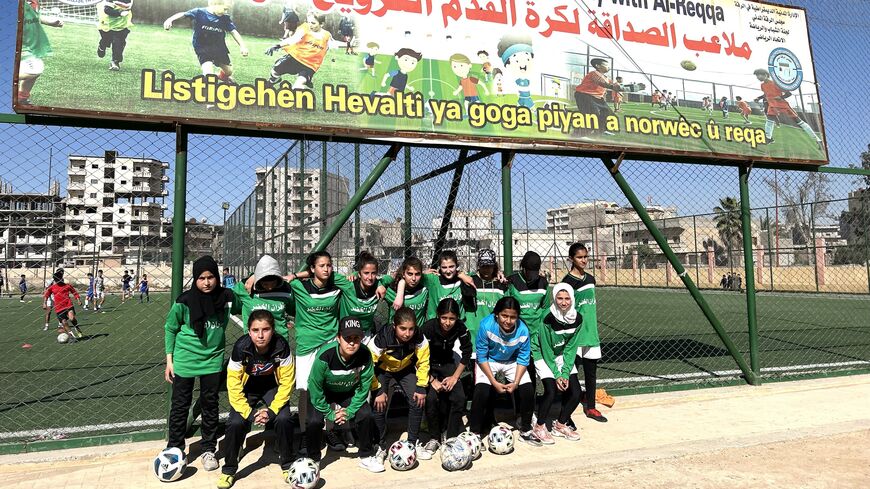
(806, 200)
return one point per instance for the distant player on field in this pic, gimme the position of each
(229, 279)
(99, 291)
(115, 20)
(89, 295)
(125, 286)
(745, 110)
(63, 306)
(616, 95)
(22, 287)
(143, 289)
(777, 106)
(34, 47)
(289, 19)
(210, 26)
(723, 106)
(305, 51)
(345, 28)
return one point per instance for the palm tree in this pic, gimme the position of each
(728, 223)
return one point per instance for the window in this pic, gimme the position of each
(93, 180)
(92, 195)
(106, 232)
(94, 165)
(123, 182)
(123, 167)
(121, 210)
(106, 246)
(121, 225)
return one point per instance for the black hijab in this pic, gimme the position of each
(201, 305)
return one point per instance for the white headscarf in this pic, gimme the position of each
(571, 315)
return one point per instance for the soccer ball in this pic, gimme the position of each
(474, 443)
(500, 440)
(688, 65)
(455, 455)
(169, 464)
(402, 455)
(62, 338)
(303, 474)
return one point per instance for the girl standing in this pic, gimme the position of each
(194, 340)
(589, 344)
(406, 289)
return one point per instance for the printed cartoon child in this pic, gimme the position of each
(498, 81)
(461, 66)
(777, 106)
(407, 59)
(485, 65)
(745, 110)
(518, 57)
(369, 62)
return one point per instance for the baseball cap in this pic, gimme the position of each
(485, 257)
(349, 326)
(531, 261)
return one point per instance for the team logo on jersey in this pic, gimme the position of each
(266, 368)
(785, 69)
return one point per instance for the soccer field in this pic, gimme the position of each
(650, 337)
(76, 78)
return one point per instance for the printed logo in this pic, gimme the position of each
(785, 69)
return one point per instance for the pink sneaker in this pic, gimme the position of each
(543, 434)
(565, 431)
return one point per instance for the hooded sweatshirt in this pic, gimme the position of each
(559, 335)
(278, 301)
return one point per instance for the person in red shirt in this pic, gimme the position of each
(63, 306)
(777, 106)
(589, 95)
(745, 110)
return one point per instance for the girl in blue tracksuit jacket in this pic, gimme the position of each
(503, 349)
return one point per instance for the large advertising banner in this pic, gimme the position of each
(707, 79)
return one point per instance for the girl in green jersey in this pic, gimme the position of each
(360, 297)
(34, 47)
(406, 289)
(449, 282)
(194, 340)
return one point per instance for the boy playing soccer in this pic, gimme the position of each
(589, 94)
(407, 60)
(485, 65)
(99, 291)
(461, 66)
(745, 110)
(370, 61)
(22, 287)
(89, 296)
(210, 26)
(777, 106)
(34, 47)
(305, 51)
(616, 95)
(63, 306)
(115, 21)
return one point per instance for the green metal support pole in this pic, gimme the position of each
(406, 223)
(769, 243)
(447, 216)
(507, 160)
(354, 201)
(179, 210)
(813, 239)
(324, 189)
(749, 269)
(866, 245)
(681, 272)
(356, 216)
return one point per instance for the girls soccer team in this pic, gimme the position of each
(441, 323)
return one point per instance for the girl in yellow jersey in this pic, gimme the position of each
(305, 49)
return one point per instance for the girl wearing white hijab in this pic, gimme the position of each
(558, 339)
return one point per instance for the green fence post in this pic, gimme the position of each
(681, 272)
(866, 243)
(355, 201)
(356, 216)
(507, 159)
(179, 209)
(813, 240)
(406, 225)
(769, 247)
(749, 269)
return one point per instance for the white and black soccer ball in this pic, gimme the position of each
(475, 444)
(63, 338)
(455, 455)
(303, 474)
(500, 440)
(169, 464)
(402, 455)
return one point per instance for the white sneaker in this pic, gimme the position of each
(209, 461)
(381, 455)
(425, 452)
(372, 464)
(45, 328)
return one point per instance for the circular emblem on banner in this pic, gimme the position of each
(785, 69)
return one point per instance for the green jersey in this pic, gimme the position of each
(356, 302)
(556, 339)
(316, 314)
(584, 302)
(488, 293)
(533, 298)
(417, 299)
(34, 40)
(278, 301)
(193, 356)
(332, 374)
(441, 288)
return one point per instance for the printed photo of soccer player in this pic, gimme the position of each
(778, 107)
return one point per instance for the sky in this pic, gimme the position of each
(222, 168)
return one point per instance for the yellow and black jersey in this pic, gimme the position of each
(252, 371)
(390, 355)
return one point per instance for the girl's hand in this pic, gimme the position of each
(501, 278)
(448, 383)
(562, 384)
(419, 399)
(437, 385)
(381, 402)
(380, 292)
(169, 373)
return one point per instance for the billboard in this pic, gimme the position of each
(719, 80)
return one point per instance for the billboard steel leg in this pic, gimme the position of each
(749, 269)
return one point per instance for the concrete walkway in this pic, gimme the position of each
(642, 429)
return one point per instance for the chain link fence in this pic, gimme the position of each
(87, 200)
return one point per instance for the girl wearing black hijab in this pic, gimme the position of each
(195, 338)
